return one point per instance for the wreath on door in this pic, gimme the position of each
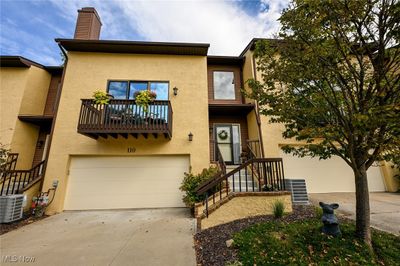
(223, 134)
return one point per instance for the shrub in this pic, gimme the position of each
(278, 208)
(318, 212)
(3, 155)
(191, 182)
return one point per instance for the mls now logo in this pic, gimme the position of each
(15, 258)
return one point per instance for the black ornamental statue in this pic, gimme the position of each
(330, 221)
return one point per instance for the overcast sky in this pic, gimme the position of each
(28, 28)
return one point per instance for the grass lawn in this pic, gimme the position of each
(302, 243)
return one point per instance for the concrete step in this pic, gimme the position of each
(298, 187)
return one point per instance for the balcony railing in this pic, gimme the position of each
(124, 117)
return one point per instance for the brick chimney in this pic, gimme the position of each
(88, 24)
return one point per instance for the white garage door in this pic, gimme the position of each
(103, 182)
(332, 175)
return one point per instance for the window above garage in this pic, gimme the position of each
(126, 89)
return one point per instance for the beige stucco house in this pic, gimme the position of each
(117, 155)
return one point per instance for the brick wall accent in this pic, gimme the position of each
(88, 24)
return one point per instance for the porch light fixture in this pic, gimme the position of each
(175, 91)
(190, 136)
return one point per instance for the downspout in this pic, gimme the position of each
(257, 110)
(58, 97)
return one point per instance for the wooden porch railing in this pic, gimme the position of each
(220, 160)
(254, 149)
(125, 117)
(14, 181)
(267, 173)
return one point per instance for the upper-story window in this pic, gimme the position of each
(224, 85)
(127, 89)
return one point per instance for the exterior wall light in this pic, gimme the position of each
(175, 91)
(190, 136)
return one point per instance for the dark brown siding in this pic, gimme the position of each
(51, 95)
(226, 119)
(88, 24)
(40, 145)
(238, 83)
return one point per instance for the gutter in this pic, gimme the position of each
(58, 97)
(257, 109)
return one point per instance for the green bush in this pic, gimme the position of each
(318, 212)
(191, 182)
(3, 155)
(278, 208)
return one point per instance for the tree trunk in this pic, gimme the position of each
(363, 229)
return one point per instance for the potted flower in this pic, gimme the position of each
(39, 205)
(144, 98)
(101, 97)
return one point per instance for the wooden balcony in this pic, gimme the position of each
(123, 118)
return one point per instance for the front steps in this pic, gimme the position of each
(242, 181)
(298, 188)
(239, 192)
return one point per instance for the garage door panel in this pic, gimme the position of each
(126, 161)
(324, 176)
(125, 182)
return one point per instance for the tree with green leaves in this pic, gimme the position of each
(332, 78)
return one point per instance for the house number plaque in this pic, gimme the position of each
(131, 149)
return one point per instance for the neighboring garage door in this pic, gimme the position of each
(105, 182)
(332, 175)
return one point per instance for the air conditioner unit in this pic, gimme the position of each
(11, 208)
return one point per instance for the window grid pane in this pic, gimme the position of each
(118, 89)
(136, 86)
(161, 89)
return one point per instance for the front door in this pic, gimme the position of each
(228, 140)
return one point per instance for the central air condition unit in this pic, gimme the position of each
(11, 208)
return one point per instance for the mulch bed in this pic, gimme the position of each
(210, 244)
(27, 219)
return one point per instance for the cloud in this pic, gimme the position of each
(225, 25)
(57, 29)
(28, 45)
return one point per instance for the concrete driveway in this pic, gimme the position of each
(118, 237)
(385, 207)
